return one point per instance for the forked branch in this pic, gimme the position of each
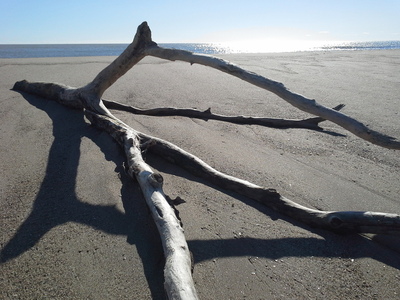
(178, 280)
(177, 271)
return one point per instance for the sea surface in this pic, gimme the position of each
(75, 50)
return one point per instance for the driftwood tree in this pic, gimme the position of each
(177, 271)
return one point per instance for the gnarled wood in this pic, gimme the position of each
(178, 281)
(365, 222)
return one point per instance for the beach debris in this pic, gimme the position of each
(179, 283)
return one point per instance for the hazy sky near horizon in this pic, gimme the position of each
(101, 21)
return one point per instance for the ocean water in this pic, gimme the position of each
(75, 50)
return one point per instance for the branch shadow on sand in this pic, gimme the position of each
(57, 203)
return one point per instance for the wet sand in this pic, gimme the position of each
(75, 226)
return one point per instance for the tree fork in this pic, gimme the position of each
(177, 271)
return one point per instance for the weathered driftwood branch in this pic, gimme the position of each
(310, 123)
(177, 271)
(308, 105)
(343, 221)
(178, 280)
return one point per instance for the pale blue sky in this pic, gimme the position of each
(115, 21)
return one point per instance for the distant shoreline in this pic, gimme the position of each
(85, 50)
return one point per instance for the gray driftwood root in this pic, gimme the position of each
(310, 123)
(177, 271)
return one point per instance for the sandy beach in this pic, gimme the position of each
(75, 226)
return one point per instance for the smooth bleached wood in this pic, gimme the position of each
(177, 271)
(123, 63)
(343, 221)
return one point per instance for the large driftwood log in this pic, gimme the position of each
(177, 271)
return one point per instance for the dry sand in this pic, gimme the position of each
(74, 226)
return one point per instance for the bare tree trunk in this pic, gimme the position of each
(178, 280)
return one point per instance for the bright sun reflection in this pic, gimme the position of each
(268, 46)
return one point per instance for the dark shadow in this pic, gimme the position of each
(57, 203)
(330, 246)
(332, 133)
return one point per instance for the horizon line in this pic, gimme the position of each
(127, 43)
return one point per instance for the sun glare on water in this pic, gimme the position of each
(271, 46)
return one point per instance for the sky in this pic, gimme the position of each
(115, 21)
